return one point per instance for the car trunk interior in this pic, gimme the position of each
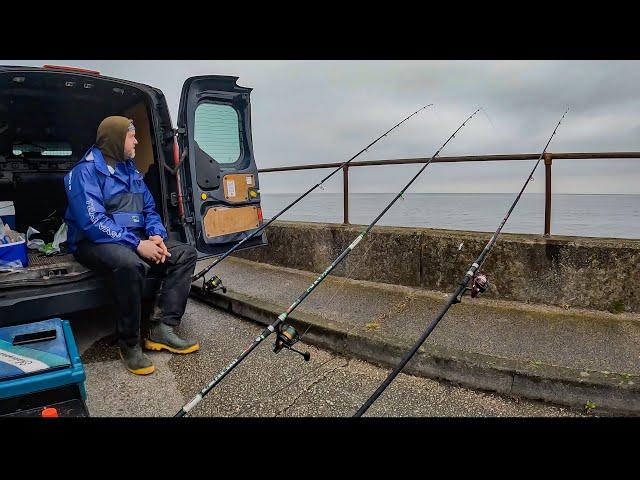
(48, 120)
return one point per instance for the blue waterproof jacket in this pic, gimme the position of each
(107, 207)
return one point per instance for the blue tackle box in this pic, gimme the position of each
(40, 371)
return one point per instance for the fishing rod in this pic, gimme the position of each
(286, 335)
(471, 282)
(214, 283)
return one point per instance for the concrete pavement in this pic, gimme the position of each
(573, 357)
(266, 384)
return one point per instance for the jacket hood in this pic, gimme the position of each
(110, 138)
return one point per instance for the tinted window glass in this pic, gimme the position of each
(217, 132)
(46, 149)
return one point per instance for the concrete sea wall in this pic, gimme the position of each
(578, 272)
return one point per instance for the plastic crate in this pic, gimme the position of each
(41, 374)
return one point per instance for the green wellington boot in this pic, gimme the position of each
(136, 361)
(162, 337)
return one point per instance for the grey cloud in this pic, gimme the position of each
(324, 111)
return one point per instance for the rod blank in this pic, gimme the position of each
(475, 266)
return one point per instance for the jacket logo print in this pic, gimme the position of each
(91, 210)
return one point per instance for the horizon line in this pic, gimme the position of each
(455, 193)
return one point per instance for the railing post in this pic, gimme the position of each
(548, 159)
(345, 193)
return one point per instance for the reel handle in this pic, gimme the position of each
(287, 336)
(305, 355)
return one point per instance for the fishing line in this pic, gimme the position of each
(486, 114)
(285, 386)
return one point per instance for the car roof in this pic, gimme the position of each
(82, 72)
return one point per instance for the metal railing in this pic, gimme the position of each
(548, 161)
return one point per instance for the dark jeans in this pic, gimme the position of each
(126, 271)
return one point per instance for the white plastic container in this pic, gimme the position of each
(8, 213)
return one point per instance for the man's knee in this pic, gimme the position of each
(185, 254)
(191, 254)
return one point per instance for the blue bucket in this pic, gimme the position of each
(10, 252)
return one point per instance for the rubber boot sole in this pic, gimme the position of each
(139, 371)
(151, 345)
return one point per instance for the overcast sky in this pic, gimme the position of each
(326, 111)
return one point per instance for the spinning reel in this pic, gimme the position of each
(287, 337)
(479, 284)
(213, 284)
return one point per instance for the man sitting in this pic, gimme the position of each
(113, 228)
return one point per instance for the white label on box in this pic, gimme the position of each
(249, 180)
(21, 362)
(231, 188)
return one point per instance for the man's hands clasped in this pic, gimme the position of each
(153, 249)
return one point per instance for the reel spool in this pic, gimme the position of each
(479, 284)
(213, 284)
(287, 336)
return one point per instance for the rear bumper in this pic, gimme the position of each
(29, 304)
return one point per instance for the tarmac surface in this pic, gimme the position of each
(267, 384)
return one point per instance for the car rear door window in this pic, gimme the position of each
(217, 131)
